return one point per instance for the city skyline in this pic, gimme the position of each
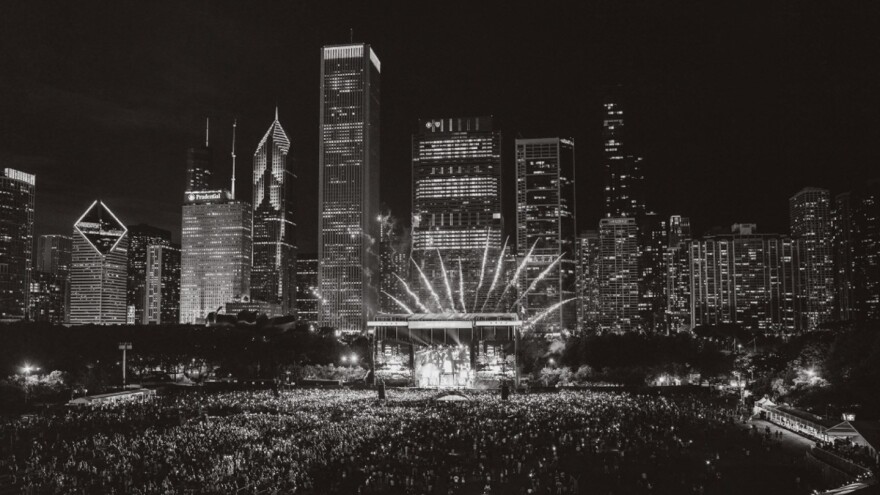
(684, 160)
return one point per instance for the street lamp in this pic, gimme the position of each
(552, 362)
(27, 369)
(354, 359)
(124, 346)
(344, 359)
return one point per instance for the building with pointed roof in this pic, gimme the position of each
(98, 269)
(274, 262)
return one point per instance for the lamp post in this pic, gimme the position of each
(124, 346)
(27, 379)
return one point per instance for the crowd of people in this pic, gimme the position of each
(349, 441)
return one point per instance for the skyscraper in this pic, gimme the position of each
(53, 254)
(619, 274)
(653, 236)
(545, 219)
(588, 308)
(677, 264)
(198, 166)
(162, 285)
(745, 278)
(99, 268)
(274, 266)
(140, 236)
(17, 191)
(48, 291)
(624, 179)
(394, 249)
(307, 302)
(349, 185)
(810, 221)
(457, 203)
(216, 251)
(856, 250)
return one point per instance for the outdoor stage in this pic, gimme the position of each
(446, 350)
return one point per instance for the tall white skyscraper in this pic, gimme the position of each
(274, 268)
(349, 186)
(99, 268)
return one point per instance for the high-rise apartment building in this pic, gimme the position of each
(545, 219)
(216, 251)
(677, 265)
(810, 222)
(349, 185)
(624, 179)
(162, 285)
(99, 268)
(17, 191)
(140, 236)
(745, 278)
(456, 170)
(856, 251)
(588, 307)
(274, 265)
(653, 236)
(307, 296)
(619, 274)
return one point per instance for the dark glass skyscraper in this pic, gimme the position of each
(545, 219)
(274, 268)
(810, 221)
(394, 249)
(457, 204)
(99, 268)
(17, 191)
(349, 186)
(624, 179)
(198, 167)
(139, 238)
(588, 308)
(162, 285)
(856, 247)
(618, 274)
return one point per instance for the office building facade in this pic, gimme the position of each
(17, 193)
(394, 253)
(140, 237)
(545, 219)
(307, 296)
(856, 251)
(216, 253)
(588, 307)
(274, 265)
(624, 179)
(349, 185)
(456, 170)
(162, 285)
(98, 268)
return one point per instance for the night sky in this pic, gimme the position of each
(735, 109)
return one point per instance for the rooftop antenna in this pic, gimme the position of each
(234, 124)
(276, 112)
(351, 35)
(207, 129)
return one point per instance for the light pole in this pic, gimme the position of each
(124, 346)
(27, 379)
